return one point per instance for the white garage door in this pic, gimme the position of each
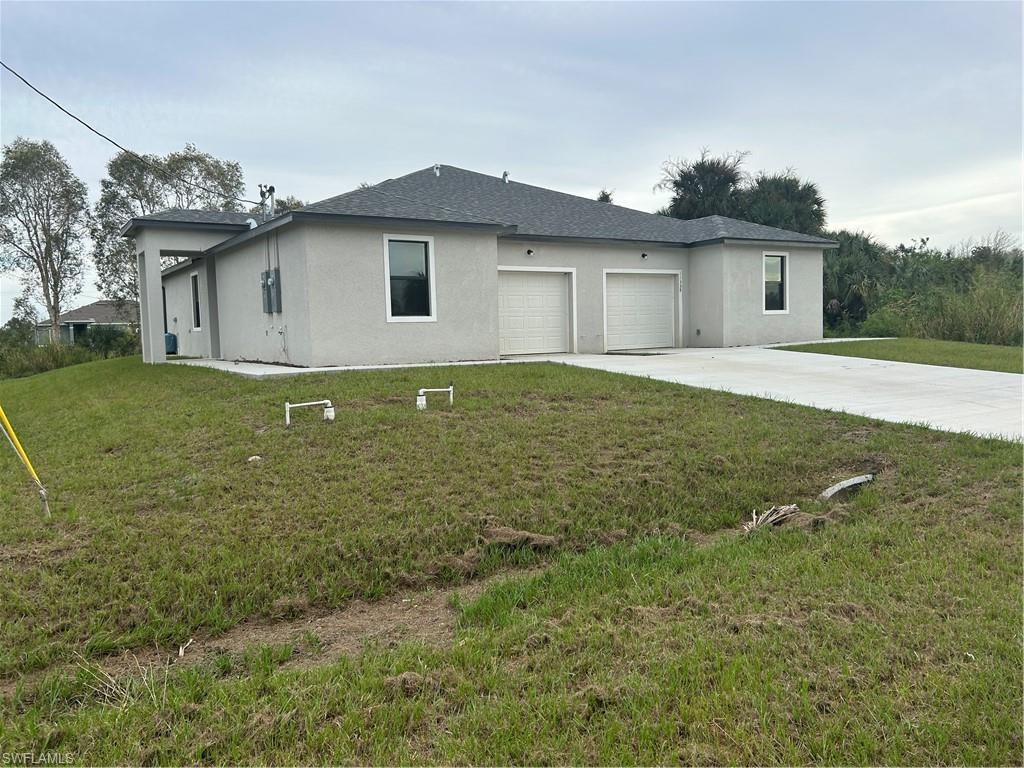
(533, 312)
(640, 311)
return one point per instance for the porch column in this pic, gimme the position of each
(151, 314)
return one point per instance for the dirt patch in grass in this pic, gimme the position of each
(316, 636)
(493, 536)
(35, 553)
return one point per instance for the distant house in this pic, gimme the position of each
(446, 264)
(122, 314)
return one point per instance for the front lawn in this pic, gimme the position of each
(956, 354)
(890, 635)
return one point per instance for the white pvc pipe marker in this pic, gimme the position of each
(327, 405)
(421, 396)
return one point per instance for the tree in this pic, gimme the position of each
(44, 216)
(785, 201)
(134, 187)
(281, 205)
(712, 186)
(703, 187)
(20, 331)
(855, 274)
(604, 196)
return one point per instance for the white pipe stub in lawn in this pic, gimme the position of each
(327, 405)
(421, 396)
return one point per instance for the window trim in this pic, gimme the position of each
(431, 285)
(197, 306)
(785, 283)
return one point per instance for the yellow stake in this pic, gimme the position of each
(12, 438)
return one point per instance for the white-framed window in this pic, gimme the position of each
(409, 293)
(775, 281)
(197, 317)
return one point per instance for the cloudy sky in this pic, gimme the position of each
(906, 115)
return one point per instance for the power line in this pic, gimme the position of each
(136, 155)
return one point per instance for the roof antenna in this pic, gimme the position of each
(504, 177)
(266, 193)
(437, 169)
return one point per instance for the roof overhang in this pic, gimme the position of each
(520, 237)
(293, 217)
(133, 225)
(188, 261)
(765, 243)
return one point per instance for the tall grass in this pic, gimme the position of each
(989, 311)
(26, 361)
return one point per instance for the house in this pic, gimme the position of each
(123, 314)
(446, 264)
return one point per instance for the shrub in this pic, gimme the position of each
(889, 320)
(26, 361)
(109, 340)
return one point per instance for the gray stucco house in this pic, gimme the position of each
(446, 264)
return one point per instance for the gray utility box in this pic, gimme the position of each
(270, 286)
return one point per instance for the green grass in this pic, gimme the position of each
(893, 635)
(957, 354)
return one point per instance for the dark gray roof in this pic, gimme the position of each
(381, 202)
(101, 312)
(179, 217)
(460, 195)
(237, 218)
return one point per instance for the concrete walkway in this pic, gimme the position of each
(952, 399)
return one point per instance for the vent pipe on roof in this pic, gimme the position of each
(437, 169)
(504, 177)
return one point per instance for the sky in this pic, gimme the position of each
(906, 115)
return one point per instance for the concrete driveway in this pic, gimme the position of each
(951, 399)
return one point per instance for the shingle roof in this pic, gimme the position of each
(101, 312)
(381, 202)
(199, 217)
(460, 195)
(179, 217)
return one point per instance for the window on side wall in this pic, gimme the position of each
(409, 278)
(196, 316)
(776, 293)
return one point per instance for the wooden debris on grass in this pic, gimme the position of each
(770, 517)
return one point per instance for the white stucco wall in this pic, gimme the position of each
(590, 261)
(152, 243)
(704, 304)
(745, 320)
(178, 292)
(334, 310)
(346, 297)
(246, 331)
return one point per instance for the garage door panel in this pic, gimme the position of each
(533, 312)
(640, 310)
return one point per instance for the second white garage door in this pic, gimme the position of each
(533, 312)
(640, 311)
